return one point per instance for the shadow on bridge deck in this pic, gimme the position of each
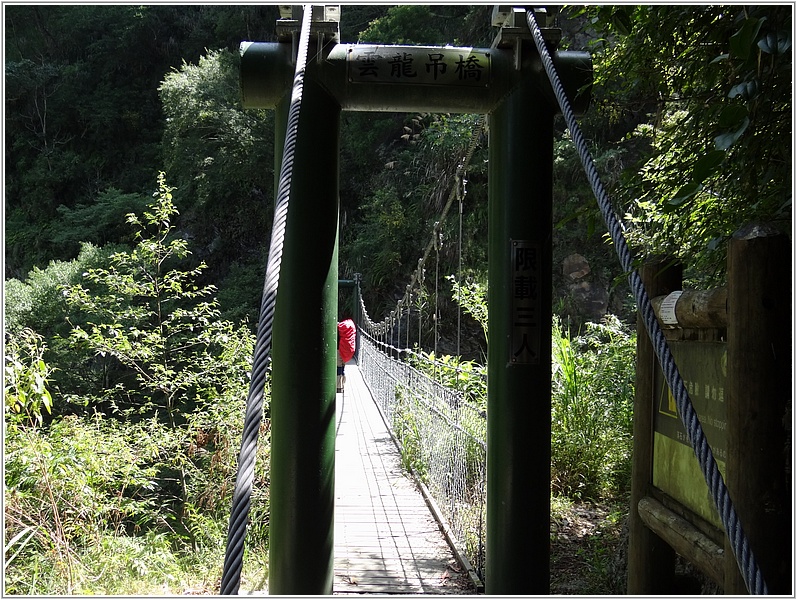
(386, 539)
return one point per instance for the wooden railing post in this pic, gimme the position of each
(651, 561)
(758, 393)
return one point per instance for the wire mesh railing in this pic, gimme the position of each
(443, 442)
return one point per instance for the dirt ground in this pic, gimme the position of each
(586, 551)
(589, 552)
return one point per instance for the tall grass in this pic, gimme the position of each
(591, 412)
(592, 409)
(92, 506)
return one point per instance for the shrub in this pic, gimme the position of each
(153, 480)
(25, 379)
(86, 488)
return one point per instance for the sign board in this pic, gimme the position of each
(418, 65)
(676, 471)
(526, 302)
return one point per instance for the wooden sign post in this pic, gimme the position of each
(732, 347)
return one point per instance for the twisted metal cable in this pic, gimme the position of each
(418, 274)
(233, 559)
(743, 554)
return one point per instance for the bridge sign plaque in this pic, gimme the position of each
(418, 65)
(526, 305)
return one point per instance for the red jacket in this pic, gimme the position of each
(347, 336)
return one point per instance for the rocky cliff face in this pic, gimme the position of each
(589, 298)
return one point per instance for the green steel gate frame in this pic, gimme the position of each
(508, 83)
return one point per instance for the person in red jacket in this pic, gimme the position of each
(347, 338)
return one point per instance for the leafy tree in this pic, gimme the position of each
(713, 92)
(82, 108)
(223, 158)
(416, 24)
(357, 17)
(397, 218)
(174, 359)
(38, 303)
(152, 318)
(98, 223)
(156, 496)
(77, 84)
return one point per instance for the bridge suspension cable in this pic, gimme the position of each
(748, 566)
(382, 328)
(233, 559)
(460, 198)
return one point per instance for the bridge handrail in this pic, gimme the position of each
(446, 445)
(421, 356)
(459, 396)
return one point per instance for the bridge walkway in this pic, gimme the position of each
(386, 538)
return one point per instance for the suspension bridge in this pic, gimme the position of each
(387, 538)
(491, 490)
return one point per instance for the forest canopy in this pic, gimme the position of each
(691, 121)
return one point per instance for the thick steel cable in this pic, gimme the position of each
(459, 266)
(233, 559)
(743, 554)
(436, 288)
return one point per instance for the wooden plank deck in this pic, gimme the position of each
(386, 539)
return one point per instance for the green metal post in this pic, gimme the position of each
(519, 353)
(301, 528)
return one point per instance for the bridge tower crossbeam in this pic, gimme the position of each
(507, 82)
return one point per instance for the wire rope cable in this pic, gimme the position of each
(748, 566)
(233, 559)
(460, 196)
(436, 286)
(417, 276)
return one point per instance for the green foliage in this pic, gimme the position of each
(578, 224)
(153, 318)
(391, 228)
(241, 291)
(82, 106)
(415, 24)
(713, 94)
(73, 96)
(407, 198)
(92, 494)
(434, 432)
(221, 158)
(406, 24)
(137, 502)
(464, 376)
(38, 302)
(99, 223)
(409, 423)
(25, 379)
(18, 302)
(592, 408)
(472, 297)
(176, 358)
